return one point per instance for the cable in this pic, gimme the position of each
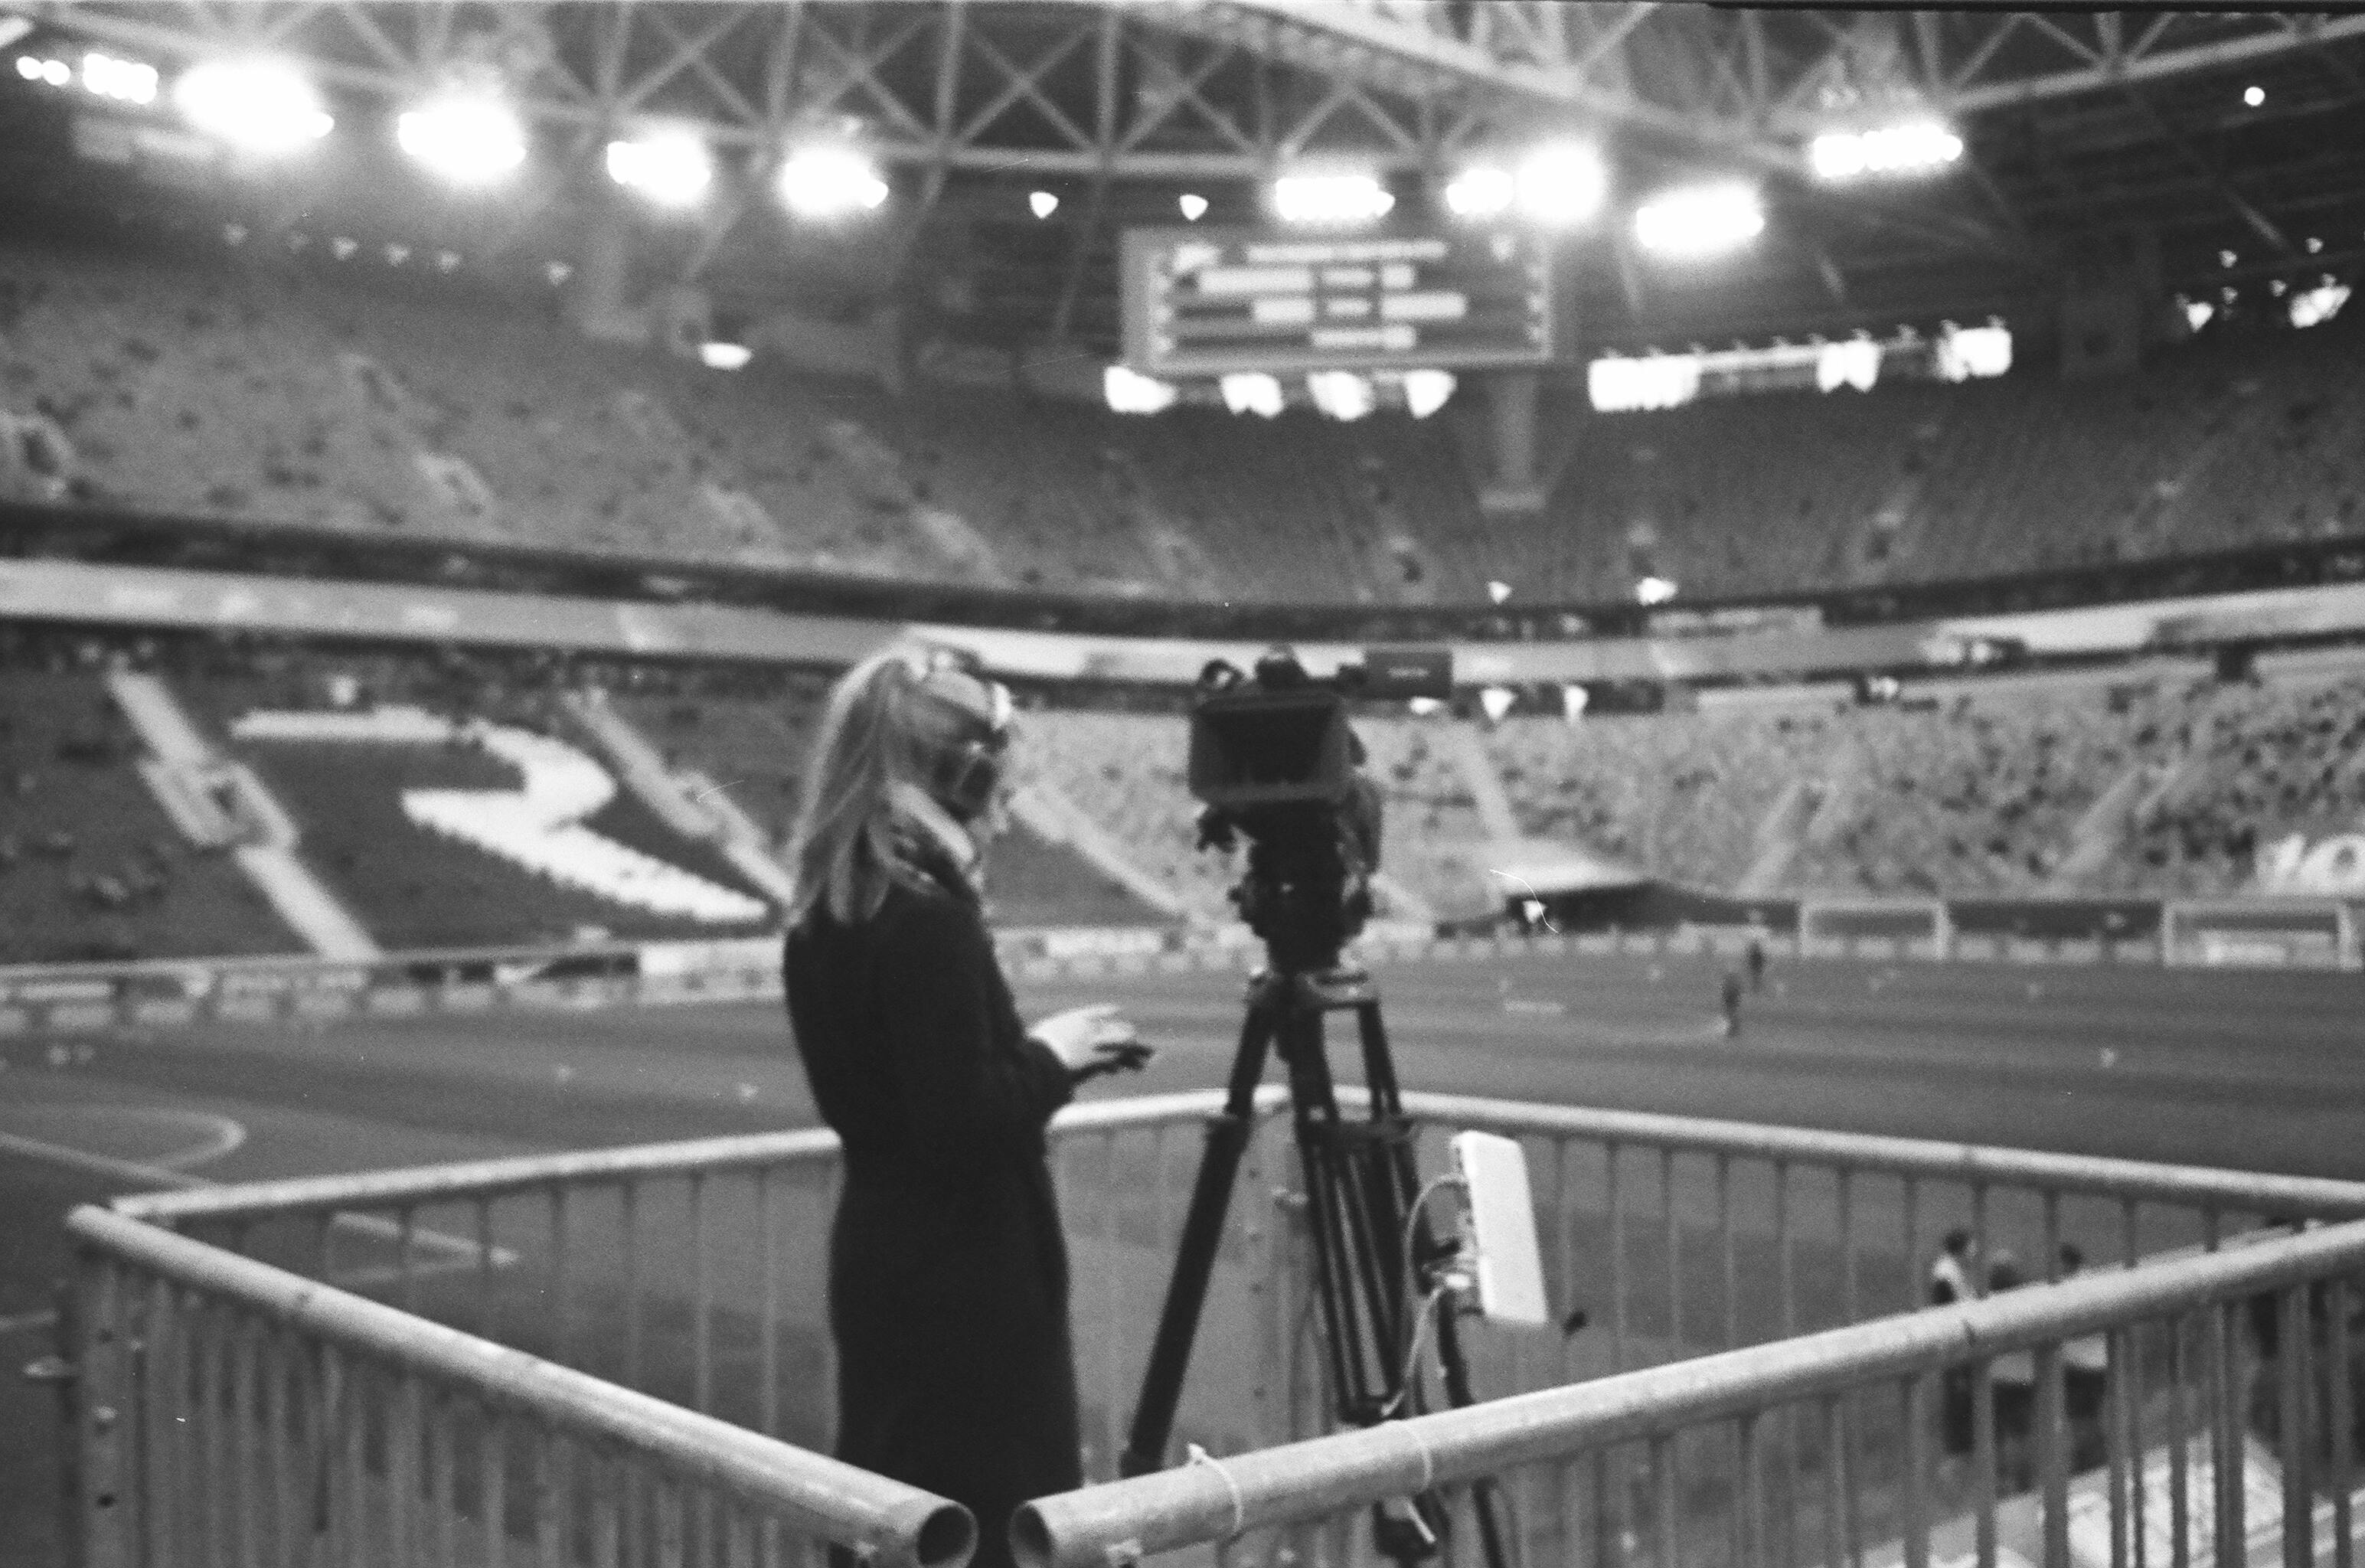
(1412, 1357)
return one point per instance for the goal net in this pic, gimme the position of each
(2305, 932)
(1915, 927)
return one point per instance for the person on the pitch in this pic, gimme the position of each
(1732, 997)
(948, 1268)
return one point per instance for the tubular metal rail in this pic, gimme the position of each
(607, 1355)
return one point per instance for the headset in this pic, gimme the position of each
(966, 721)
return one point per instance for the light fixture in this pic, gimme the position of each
(256, 106)
(2226, 258)
(2197, 313)
(1252, 392)
(1042, 204)
(1497, 700)
(1341, 394)
(1911, 148)
(2320, 304)
(671, 168)
(1330, 198)
(468, 141)
(1127, 391)
(1654, 590)
(725, 356)
(829, 182)
(1498, 591)
(1194, 205)
(1699, 221)
(126, 80)
(1561, 184)
(2254, 95)
(1484, 191)
(1426, 391)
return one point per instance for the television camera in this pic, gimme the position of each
(1274, 761)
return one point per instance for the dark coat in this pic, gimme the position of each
(948, 1269)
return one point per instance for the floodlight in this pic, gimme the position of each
(2255, 96)
(725, 356)
(126, 80)
(1426, 391)
(1699, 221)
(1252, 392)
(2320, 304)
(1498, 590)
(1341, 394)
(1561, 184)
(468, 141)
(28, 67)
(1966, 354)
(256, 106)
(2197, 313)
(1042, 204)
(1911, 148)
(671, 168)
(1654, 590)
(1194, 205)
(1484, 191)
(830, 182)
(1130, 392)
(1330, 198)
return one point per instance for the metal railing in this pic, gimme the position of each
(232, 1413)
(694, 1273)
(2195, 1412)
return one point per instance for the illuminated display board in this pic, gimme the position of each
(1210, 301)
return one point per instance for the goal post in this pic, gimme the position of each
(1876, 927)
(2261, 932)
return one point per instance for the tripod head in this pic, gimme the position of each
(1275, 762)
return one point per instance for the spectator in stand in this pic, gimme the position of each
(948, 1268)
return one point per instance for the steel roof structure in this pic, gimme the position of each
(2080, 130)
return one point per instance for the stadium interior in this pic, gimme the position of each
(1887, 490)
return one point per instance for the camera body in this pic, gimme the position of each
(1273, 760)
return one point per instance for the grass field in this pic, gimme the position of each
(2252, 1070)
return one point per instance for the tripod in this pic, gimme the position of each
(1360, 1186)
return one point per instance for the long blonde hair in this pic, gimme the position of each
(879, 730)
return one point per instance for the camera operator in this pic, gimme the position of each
(948, 1268)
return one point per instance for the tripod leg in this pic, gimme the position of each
(1315, 1117)
(1203, 1233)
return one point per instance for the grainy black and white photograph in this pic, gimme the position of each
(1231, 783)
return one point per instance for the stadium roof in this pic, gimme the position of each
(2216, 135)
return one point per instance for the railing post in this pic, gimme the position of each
(95, 1396)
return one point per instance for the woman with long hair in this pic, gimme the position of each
(948, 1268)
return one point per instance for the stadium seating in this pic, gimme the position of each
(2257, 763)
(2222, 443)
(91, 866)
(454, 416)
(1680, 796)
(432, 411)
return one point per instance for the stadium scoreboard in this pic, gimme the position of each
(1212, 302)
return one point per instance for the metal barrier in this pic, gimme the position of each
(694, 1273)
(2196, 1412)
(233, 1413)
